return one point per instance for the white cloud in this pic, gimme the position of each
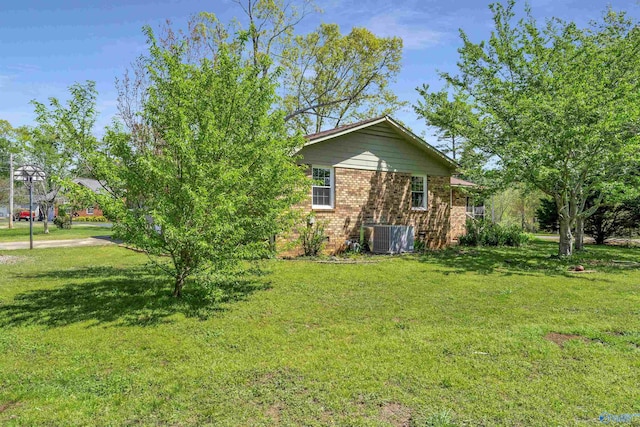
(4, 79)
(408, 26)
(23, 68)
(17, 117)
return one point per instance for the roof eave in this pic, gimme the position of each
(345, 131)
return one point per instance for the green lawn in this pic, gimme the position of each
(89, 337)
(20, 232)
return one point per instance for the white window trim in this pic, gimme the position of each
(87, 210)
(425, 199)
(331, 191)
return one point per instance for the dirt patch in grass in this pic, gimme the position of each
(560, 339)
(273, 412)
(10, 259)
(395, 414)
(8, 405)
(364, 259)
(615, 263)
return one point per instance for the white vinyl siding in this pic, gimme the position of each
(322, 189)
(378, 147)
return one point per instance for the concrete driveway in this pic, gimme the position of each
(69, 243)
(589, 240)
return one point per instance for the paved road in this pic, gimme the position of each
(614, 241)
(4, 224)
(556, 238)
(89, 241)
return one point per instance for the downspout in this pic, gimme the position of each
(10, 190)
(450, 210)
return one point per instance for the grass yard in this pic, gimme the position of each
(20, 232)
(476, 338)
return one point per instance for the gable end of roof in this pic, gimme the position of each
(400, 129)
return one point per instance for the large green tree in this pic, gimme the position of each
(7, 136)
(53, 144)
(206, 177)
(12, 150)
(452, 119)
(558, 106)
(332, 79)
(325, 78)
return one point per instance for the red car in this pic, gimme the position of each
(24, 215)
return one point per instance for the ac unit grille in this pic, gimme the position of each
(392, 239)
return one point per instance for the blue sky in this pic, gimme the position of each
(45, 46)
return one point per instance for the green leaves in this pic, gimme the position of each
(64, 132)
(454, 120)
(207, 177)
(324, 78)
(330, 78)
(556, 104)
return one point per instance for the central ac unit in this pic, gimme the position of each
(392, 239)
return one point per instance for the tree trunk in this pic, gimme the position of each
(177, 290)
(579, 233)
(45, 220)
(566, 238)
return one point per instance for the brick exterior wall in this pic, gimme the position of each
(375, 197)
(82, 212)
(458, 213)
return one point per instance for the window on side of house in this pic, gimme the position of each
(419, 192)
(322, 188)
(90, 211)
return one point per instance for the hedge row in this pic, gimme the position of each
(90, 218)
(485, 233)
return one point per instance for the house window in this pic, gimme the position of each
(419, 192)
(89, 211)
(322, 188)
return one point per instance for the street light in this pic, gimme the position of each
(29, 174)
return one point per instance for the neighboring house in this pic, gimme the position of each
(464, 194)
(377, 172)
(93, 185)
(475, 208)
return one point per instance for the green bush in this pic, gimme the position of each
(312, 237)
(90, 218)
(485, 233)
(62, 220)
(419, 246)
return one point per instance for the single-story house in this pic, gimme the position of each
(378, 172)
(93, 185)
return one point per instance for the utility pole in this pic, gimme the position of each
(10, 190)
(30, 212)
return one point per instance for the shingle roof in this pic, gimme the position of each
(342, 128)
(92, 184)
(457, 182)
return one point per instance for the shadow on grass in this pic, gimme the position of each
(128, 296)
(537, 257)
